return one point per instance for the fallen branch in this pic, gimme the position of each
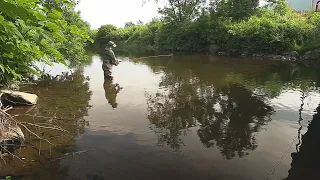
(9, 125)
(39, 138)
(14, 156)
(45, 127)
(7, 109)
(67, 155)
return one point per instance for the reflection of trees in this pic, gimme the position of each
(63, 101)
(225, 99)
(64, 97)
(173, 113)
(227, 117)
(241, 114)
(305, 163)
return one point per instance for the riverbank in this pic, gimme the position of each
(311, 55)
(267, 32)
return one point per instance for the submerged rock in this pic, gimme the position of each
(11, 135)
(15, 98)
(10, 132)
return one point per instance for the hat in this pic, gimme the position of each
(111, 44)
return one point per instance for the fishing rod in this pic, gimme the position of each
(140, 58)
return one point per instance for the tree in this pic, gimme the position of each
(104, 34)
(33, 31)
(181, 10)
(128, 24)
(140, 23)
(235, 9)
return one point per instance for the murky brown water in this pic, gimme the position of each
(186, 117)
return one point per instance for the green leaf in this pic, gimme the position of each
(59, 37)
(53, 16)
(2, 68)
(19, 34)
(68, 3)
(15, 11)
(1, 18)
(52, 26)
(40, 16)
(57, 12)
(62, 23)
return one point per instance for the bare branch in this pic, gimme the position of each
(71, 154)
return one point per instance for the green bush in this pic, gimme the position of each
(257, 30)
(184, 36)
(271, 32)
(32, 30)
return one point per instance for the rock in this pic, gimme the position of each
(293, 59)
(312, 55)
(222, 53)
(294, 54)
(15, 98)
(214, 49)
(257, 55)
(234, 52)
(307, 55)
(271, 56)
(10, 132)
(278, 57)
(10, 136)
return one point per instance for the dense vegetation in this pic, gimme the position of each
(34, 31)
(49, 31)
(242, 25)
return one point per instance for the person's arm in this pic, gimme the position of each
(113, 58)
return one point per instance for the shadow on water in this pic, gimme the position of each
(306, 162)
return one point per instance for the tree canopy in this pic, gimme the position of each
(39, 30)
(242, 26)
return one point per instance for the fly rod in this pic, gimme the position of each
(166, 55)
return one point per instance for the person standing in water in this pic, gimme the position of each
(109, 60)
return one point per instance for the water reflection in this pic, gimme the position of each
(209, 111)
(226, 117)
(233, 124)
(228, 109)
(111, 91)
(64, 101)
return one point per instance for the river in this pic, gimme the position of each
(180, 117)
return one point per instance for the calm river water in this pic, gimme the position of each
(185, 117)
